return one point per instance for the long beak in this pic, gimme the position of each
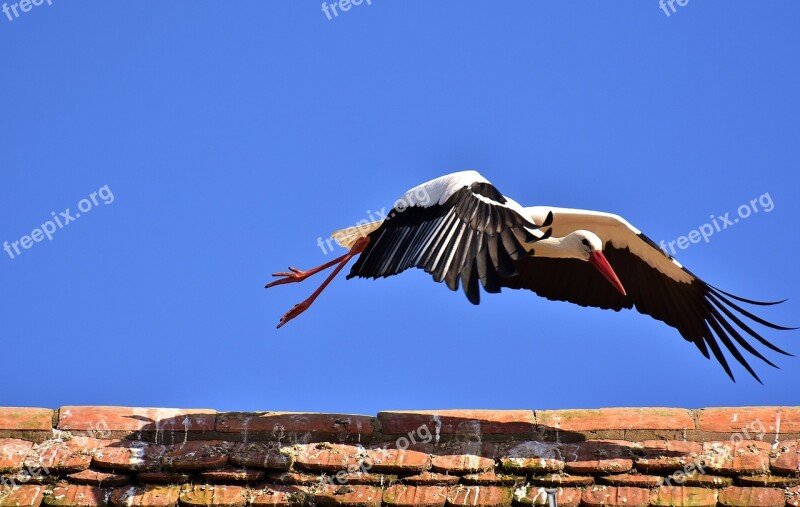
(599, 261)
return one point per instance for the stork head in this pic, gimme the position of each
(589, 247)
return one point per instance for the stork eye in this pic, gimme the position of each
(585, 241)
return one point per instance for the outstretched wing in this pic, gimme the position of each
(456, 227)
(656, 285)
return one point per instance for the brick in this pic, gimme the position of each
(327, 457)
(66, 456)
(146, 496)
(457, 422)
(597, 496)
(213, 495)
(196, 455)
(12, 454)
(531, 465)
(491, 478)
(431, 479)
(745, 457)
(259, 454)
(734, 496)
(21, 496)
(695, 479)
(562, 480)
(232, 475)
(616, 419)
(26, 419)
(461, 464)
(361, 478)
(349, 496)
(565, 497)
(297, 427)
(25, 477)
(99, 478)
(164, 477)
(480, 496)
(769, 481)
(749, 420)
(415, 496)
(632, 480)
(667, 455)
(71, 495)
(166, 425)
(793, 497)
(396, 460)
(599, 456)
(279, 495)
(678, 496)
(787, 458)
(136, 456)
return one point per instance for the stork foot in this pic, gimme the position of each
(291, 276)
(294, 312)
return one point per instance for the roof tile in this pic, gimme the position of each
(431, 479)
(203, 495)
(327, 457)
(232, 475)
(561, 480)
(396, 460)
(670, 496)
(436, 423)
(349, 496)
(72, 495)
(196, 455)
(736, 457)
(461, 464)
(278, 495)
(599, 456)
(786, 459)
(597, 496)
(124, 455)
(21, 496)
(259, 454)
(565, 497)
(666, 455)
(99, 478)
(480, 496)
(63, 456)
(296, 427)
(420, 496)
(146, 496)
(168, 425)
(491, 478)
(12, 454)
(735, 496)
(162, 477)
(749, 422)
(616, 418)
(633, 480)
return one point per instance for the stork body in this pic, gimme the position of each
(460, 228)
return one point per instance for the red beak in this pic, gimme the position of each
(599, 261)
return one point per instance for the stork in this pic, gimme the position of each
(460, 228)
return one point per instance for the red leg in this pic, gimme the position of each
(297, 275)
(343, 260)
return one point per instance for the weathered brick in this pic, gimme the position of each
(98, 478)
(415, 496)
(274, 495)
(695, 479)
(167, 425)
(597, 496)
(294, 478)
(26, 477)
(12, 454)
(396, 460)
(748, 422)
(431, 479)
(259, 454)
(123, 455)
(349, 496)
(616, 419)
(531, 465)
(787, 458)
(491, 478)
(632, 480)
(461, 464)
(735, 496)
(565, 497)
(26, 419)
(21, 496)
(745, 457)
(66, 456)
(296, 427)
(213, 495)
(562, 480)
(327, 457)
(531, 457)
(793, 497)
(678, 496)
(232, 475)
(480, 496)
(666, 455)
(71, 495)
(457, 422)
(146, 496)
(196, 455)
(769, 481)
(599, 456)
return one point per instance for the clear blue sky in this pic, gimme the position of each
(233, 135)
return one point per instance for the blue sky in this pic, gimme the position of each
(233, 135)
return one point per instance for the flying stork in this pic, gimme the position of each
(460, 228)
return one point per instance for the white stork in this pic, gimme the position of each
(459, 227)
